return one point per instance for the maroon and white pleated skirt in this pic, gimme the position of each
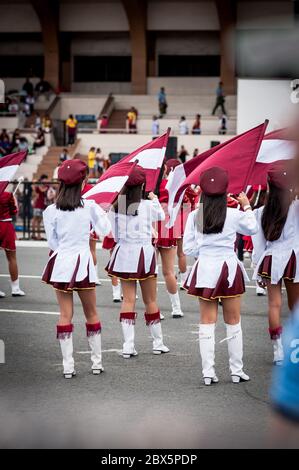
(221, 290)
(140, 275)
(166, 243)
(7, 236)
(289, 272)
(73, 285)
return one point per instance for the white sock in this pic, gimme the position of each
(15, 284)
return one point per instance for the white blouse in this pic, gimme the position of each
(133, 234)
(281, 249)
(215, 249)
(68, 234)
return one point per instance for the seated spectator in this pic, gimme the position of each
(13, 106)
(131, 122)
(38, 121)
(5, 144)
(39, 140)
(155, 126)
(23, 144)
(64, 155)
(4, 135)
(183, 126)
(196, 128)
(223, 124)
(15, 139)
(43, 88)
(195, 153)
(91, 158)
(28, 87)
(182, 154)
(103, 122)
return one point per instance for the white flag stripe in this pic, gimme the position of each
(110, 185)
(8, 172)
(150, 159)
(273, 150)
(175, 179)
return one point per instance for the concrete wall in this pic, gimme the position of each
(102, 16)
(183, 85)
(265, 15)
(19, 18)
(74, 104)
(264, 99)
(127, 143)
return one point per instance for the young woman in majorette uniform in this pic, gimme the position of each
(134, 259)
(166, 244)
(70, 267)
(276, 251)
(8, 208)
(210, 236)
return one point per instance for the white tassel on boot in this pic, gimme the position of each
(235, 353)
(207, 352)
(176, 305)
(127, 320)
(153, 321)
(65, 336)
(93, 332)
(116, 293)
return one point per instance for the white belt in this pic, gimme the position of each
(5, 220)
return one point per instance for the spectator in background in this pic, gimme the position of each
(43, 88)
(29, 105)
(23, 144)
(39, 140)
(15, 140)
(155, 126)
(47, 128)
(71, 126)
(131, 122)
(100, 158)
(28, 87)
(5, 145)
(162, 101)
(183, 126)
(195, 153)
(13, 106)
(103, 122)
(196, 128)
(220, 99)
(182, 154)
(91, 158)
(222, 125)
(39, 205)
(37, 121)
(64, 155)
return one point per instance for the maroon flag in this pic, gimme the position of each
(9, 165)
(107, 189)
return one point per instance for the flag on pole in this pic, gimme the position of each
(107, 189)
(9, 165)
(276, 149)
(150, 157)
(237, 156)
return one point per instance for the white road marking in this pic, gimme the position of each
(118, 351)
(40, 312)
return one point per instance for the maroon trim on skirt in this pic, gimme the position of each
(289, 272)
(139, 275)
(221, 289)
(93, 328)
(166, 243)
(67, 286)
(7, 236)
(151, 318)
(128, 317)
(64, 331)
(275, 333)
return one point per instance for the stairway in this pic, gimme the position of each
(51, 159)
(117, 119)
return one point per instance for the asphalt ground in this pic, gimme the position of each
(146, 402)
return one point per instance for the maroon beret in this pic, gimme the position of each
(72, 171)
(172, 163)
(281, 178)
(214, 181)
(137, 177)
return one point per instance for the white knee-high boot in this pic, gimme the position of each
(65, 336)
(207, 352)
(153, 321)
(116, 293)
(278, 354)
(176, 305)
(128, 320)
(235, 352)
(93, 331)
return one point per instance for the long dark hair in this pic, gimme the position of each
(275, 212)
(129, 199)
(69, 197)
(214, 213)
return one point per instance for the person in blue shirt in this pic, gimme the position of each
(162, 102)
(220, 99)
